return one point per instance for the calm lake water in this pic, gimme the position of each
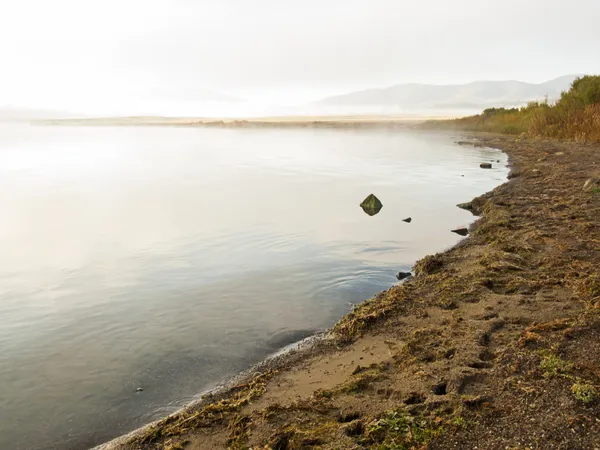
(170, 258)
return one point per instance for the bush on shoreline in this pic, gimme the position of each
(575, 116)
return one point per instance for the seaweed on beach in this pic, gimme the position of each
(165, 433)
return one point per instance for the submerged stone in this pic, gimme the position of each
(371, 205)
(462, 231)
(403, 275)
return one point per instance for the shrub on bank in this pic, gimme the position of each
(575, 116)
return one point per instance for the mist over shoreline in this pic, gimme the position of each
(404, 100)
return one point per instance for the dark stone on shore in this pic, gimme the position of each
(440, 388)
(403, 275)
(371, 205)
(461, 231)
(407, 220)
(485, 165)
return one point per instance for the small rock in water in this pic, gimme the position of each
(485, 165)
(462, 231)
(371, 205)
(407, 220)
(140, 389)
(497, 160)
(403, 275)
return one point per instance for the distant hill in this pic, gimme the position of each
(478, 94)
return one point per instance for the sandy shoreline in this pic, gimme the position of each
(492, 344)
(282, 358)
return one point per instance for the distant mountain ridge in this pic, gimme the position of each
(477, 94)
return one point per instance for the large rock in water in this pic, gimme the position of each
(371, 205)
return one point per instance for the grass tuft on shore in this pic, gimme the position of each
(399, 430)
(367, 313)
(166, 434)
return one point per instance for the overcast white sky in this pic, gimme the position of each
(69, 54)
